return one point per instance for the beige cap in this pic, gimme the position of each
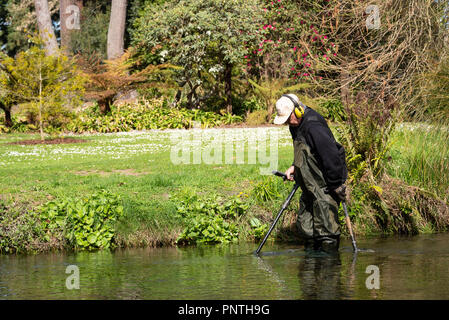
(284, 108)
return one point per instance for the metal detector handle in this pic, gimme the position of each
(284, 206)
(280, 174)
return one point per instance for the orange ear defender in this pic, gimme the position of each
(299, 110)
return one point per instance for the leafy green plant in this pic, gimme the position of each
(258, 230)
(266, 190)
(146, 115)
(85, 223)
(334, 110)
(208, 229)
(209, 219)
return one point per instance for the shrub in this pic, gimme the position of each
(84, 223)
(333, 110)
(266, 190)
(366, 136)
(18, 229)
(146, 115)
(195, 36)
(209, 219)
(257, 117)
(243, 105)
(3, 128)
(45, 85)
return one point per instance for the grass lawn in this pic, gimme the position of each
(136, 165)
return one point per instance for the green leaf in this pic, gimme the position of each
(92, 238)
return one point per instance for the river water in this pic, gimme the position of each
(399, 268)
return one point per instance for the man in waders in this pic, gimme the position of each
(320, 169)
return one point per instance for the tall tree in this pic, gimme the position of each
(70, 17)
(207, 38)
(116, 31)
(21, 22)
(45, 27)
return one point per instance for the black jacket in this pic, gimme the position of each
(329, 153)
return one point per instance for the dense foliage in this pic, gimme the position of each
(92, 36)
(87, 223)
(209, 219)
(144, 116)
(206, 38)
(44, 84)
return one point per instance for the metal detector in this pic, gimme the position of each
(284, 206)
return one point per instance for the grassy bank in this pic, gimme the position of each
(140, 168)
(411, 195)
(135, 165)
(420, 157)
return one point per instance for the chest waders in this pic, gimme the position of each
(318, 211)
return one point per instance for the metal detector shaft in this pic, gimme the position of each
(284, 206)
(348, 223)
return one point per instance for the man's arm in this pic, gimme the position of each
(290, 171)
(321, 140)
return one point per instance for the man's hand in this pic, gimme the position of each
(289, 173)
(341, 192)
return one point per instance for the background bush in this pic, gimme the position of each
(146, 115)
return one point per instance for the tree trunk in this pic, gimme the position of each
(41, 121)
(270, 110)
(116, 31)
(228, 87)
(7, 111)
(105, 105)
(45, 27)
(70, 17)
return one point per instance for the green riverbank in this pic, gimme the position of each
(142, 168)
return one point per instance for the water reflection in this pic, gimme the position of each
(410, 268)
(319, 276)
